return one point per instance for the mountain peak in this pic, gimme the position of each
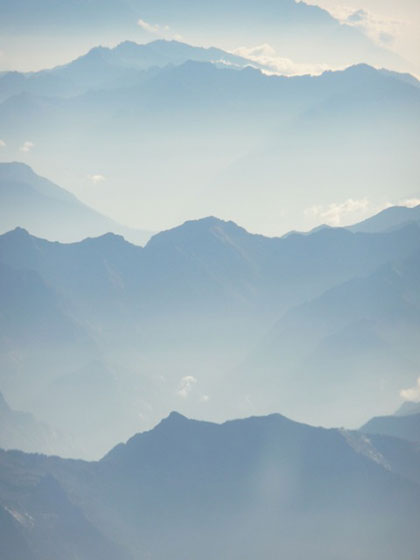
(193, 230)
(174, 416)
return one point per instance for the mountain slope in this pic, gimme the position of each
(189, 489)
(405, 427)
(286, 25)
(408, 408)
(355, 343)
(19, 430)
(108, 68)
(92, 317)
(216, 130)
(46, 210)
(390, 218)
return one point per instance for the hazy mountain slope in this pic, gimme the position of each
(408, 408)
(390, 218)
(406, 427)
(309, 152)
(286, 25)
(38, 334)
(20, 430)
(203, 263)
(48, 524)
(185, 478)
(357, 342)
(13, 544)
(46, 210)
(109, 68)
(206, 291)
(216, 129)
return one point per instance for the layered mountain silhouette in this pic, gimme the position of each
(345, 345)
(109, 68)
(91, 318)
(32, 202)
(407, 408)
(403, 424)
(215, 129)
(388, 219)
(286, 25)
(19, 430)
(195, 489)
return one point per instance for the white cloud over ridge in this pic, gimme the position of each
(412, 394)
(334, 213)
(380, 25)
(27, 146)
(266, 56)
(162, 31)
(410, 202)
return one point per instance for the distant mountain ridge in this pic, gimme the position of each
(32, 202)
(19, 430)
(404, 427)
(186, 477)
(216, 129)
(390, 218)
(208, 292)
(284, 24)
(108, 68)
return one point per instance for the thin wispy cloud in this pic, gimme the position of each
(186, 385)
(412, 394)
(96, 178)
(2, 144)
(410, 202)
(265, 55)
(333, 214)
(381, 30)
(163, 31)
(27, 146)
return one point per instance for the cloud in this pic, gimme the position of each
(163, 31)
(2, 144)
(413, 394)
(334, 213)
(410, 202)
(27, 146)
(97, 178)
(266, 56)
(149, 27)
(185, 386)
(357, 16)
(382, 30)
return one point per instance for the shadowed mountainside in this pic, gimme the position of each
(249, 487)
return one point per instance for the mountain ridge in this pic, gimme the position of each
(186, 475)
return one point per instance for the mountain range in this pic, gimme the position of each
(404, 424)
(249, 324)
(20, 430)
(285, 25)
(243, 489)
(34, 203)
(192, 138)
(344, 346)
(108, 68)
